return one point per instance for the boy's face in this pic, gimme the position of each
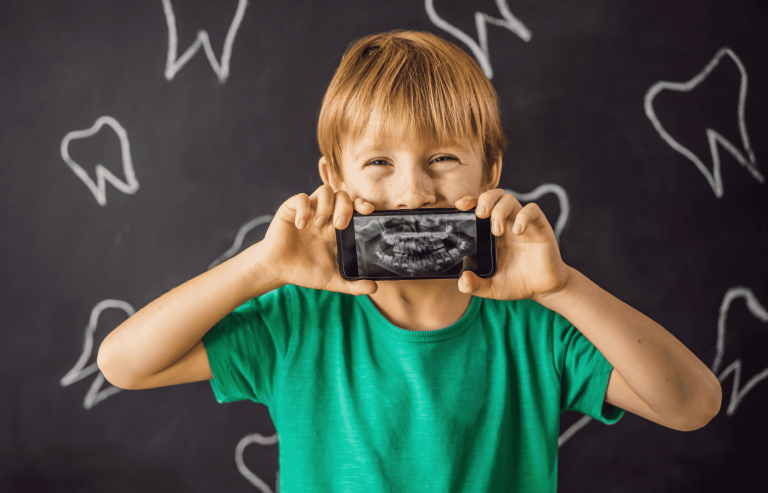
(410, 174)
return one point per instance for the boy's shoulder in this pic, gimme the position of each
(299, 296)
(518, 308)
(300, 292)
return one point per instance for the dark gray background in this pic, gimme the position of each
(644, 223)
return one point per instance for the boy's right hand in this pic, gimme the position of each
(300, 245)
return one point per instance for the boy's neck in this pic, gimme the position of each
(421, 305)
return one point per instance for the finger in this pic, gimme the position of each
(529, 215)
(363, 206)
(487, 201)
(324, 207)
(466, 203)
(342, 209)
(303, 210)
(358, 288)
(341, 285)
(469, 283)
(501, 211)
(295, 209)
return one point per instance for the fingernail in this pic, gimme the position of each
(302, 223)
(518, 228)
(496, 227)
(339, 222)
(480, 210)
(319, 221)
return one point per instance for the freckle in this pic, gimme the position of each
(639, 341)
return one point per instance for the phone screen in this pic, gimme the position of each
(415, 245)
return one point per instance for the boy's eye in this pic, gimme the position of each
(439, 159)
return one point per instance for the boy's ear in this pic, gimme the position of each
(494, 175)
(327, 175)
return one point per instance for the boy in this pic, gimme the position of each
(411, 385)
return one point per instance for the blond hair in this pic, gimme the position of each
(410, 83)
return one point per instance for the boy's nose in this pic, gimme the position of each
(414, 190)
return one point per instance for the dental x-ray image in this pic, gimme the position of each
(426, 245)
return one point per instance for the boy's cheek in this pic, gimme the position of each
(384, 196)
(376, 196)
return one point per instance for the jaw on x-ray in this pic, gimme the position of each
(415, 245)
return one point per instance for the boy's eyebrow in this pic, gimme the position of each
(367, 150)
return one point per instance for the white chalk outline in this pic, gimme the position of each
(568, 434)
(714, 138)
(562, 197)
(129, 186)
(244, 230)
(80, 371)
(480, 51)
(173, 64)
(247, 473)
(759, 311)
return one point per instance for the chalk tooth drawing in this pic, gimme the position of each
(714, 138)
(562, 197)
(482, 19)
(247, 473)
(759, 311)
(174, 64)
(238, 243)
(98, 188)
(80, 371)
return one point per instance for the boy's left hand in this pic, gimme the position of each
(528, 263)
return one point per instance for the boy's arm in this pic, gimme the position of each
(655, 376)
(160, 344)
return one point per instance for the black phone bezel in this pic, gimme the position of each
(486, 258)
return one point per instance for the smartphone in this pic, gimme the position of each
(393, 245)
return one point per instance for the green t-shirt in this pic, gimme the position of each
(362, 405)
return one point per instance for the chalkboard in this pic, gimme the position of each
(145, 141)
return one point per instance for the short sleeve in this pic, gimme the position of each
(584, 373)
(247, 348)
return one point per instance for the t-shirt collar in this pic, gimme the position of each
(421, 335)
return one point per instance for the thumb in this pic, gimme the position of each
(469, 283)
(362, 287)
